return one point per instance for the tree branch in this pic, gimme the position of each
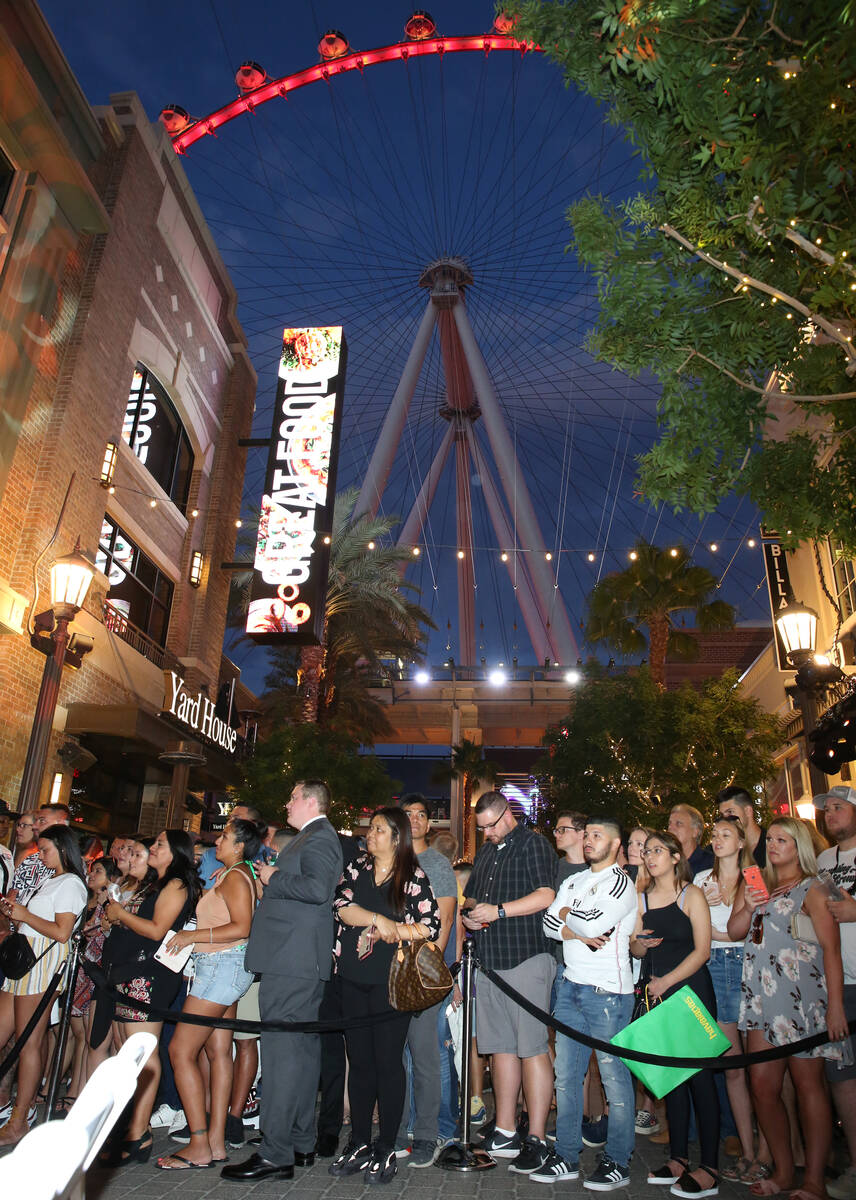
(753, 387)
(832, 332)
(791, 235)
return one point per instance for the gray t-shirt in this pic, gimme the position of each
(443, 884)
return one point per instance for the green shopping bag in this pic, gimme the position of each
(680, 1026)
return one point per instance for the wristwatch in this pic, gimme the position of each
(500, 911)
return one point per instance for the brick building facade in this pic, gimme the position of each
(117, 325)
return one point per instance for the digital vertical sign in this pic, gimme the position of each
(780, 591)
(291, 561)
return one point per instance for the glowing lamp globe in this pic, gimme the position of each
(420, 26)
(496, 678)
(174, 119)
(250, 76)
(71, 576)
(422, 678)
(797, 626)
(333, 44)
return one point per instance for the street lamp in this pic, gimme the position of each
(71, 576)
(797, 627)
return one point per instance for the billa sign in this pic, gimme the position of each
(196, 713)
(291, 562)
(781, 593)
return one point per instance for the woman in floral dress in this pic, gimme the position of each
(792, 987)
(383, 897)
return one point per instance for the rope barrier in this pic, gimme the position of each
(12, 1057)
(730, 1063)
(103, 985)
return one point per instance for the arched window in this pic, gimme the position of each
(153, 430)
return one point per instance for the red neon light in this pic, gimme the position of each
(351, 62)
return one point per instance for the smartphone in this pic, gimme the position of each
(832, 888)
(755, 880)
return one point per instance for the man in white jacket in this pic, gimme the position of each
(593, 915)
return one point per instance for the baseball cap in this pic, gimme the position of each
(5, 810)
(840, 792)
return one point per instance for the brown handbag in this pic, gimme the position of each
(418, 976)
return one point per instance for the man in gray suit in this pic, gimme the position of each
(290, 947)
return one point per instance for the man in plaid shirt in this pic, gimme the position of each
(511, 884)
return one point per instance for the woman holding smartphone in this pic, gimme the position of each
(792, 987)
(673, 931)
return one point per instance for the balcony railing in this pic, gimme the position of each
(118, 623)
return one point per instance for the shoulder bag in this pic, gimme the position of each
(418, 976)
(17, 956)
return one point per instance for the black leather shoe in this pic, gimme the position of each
(326, 1145)
(304, 1160)
(256, 1167)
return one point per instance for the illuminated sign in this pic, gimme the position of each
(196, 713)
(292, 561)
(781, 593)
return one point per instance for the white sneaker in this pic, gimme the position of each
(163, 1116)
(178, 1122)
(6, 1112)
(844, 1187)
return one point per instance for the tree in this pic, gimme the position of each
(737, 254)
(657, 584)
(469, 765)
(291, 752)
(631, 750)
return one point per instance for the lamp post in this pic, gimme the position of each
(71, 576)
(797, 626)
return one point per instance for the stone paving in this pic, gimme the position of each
(145, 1182)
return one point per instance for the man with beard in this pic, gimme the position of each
(593, 915)
(838, 806)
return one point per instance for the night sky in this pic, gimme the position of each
(327, 206)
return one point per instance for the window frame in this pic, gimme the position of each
(151, 590)
(160, 396)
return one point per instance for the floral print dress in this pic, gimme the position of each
(783, 989)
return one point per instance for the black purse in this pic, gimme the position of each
(17, 956)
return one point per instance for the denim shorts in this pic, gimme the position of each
(726, 971)
(220, 977)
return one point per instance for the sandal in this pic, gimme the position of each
(689, 1188)
(755, 1171)
(664, 1176)
(139, 1150)
(738, 1169)
(169, 1161)
(62, 1107)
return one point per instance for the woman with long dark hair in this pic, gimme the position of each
(47, 922)
(224, 915)
(383, 897)
(673, 935)
(164, 904)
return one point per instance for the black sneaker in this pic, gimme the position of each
(234, 1131)
(531, 1158)
(382, 1166)
(608, 1176)
(594, 1132)
(555, 1170)
(500, 1145)
(353, 1159)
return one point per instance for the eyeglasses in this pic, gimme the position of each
(655, 850)
(565, 829)
(484, 828)
(757, 927)
(22, 824)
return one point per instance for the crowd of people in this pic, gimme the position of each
(301, 924)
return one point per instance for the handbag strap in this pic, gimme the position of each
(78, 924)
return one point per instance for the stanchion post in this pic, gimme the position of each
(72, 967)
(462, 1156)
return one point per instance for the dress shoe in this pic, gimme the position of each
(326, 1145)
(302, 1159)
(255, 1168)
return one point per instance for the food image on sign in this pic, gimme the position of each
(291, 559)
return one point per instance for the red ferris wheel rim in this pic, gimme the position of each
(271, 89)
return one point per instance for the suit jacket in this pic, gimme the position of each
(292, 931)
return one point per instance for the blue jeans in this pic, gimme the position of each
(448, 1120)
(600, 1014)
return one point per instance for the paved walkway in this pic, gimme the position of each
(145, 1182)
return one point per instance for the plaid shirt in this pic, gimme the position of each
(521, 864)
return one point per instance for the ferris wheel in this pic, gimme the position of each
(415, 193)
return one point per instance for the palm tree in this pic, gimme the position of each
(657, 584)
(472, 768)
(369, 615)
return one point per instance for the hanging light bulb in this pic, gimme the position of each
(460, 554)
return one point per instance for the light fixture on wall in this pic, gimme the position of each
(108, 465)
(195, 575)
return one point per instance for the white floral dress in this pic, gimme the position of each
(783, 989)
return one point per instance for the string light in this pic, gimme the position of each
(503, 557)
(326, 539)
(714, 547)
(153, 503)
(415, 551)
(673, 552)
(548, 556)
(591, 557)
(194, 512)
(633, 556)
(751, 543)
(371, 545)
(238, 524)
(460, 554)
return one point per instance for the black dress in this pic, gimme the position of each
(133, 969)
(673, 925)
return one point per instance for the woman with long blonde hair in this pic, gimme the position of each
(792, 987)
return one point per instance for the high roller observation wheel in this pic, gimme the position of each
(578, 461)
(274, 89)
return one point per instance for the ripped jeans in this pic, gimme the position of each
(600, 1014)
